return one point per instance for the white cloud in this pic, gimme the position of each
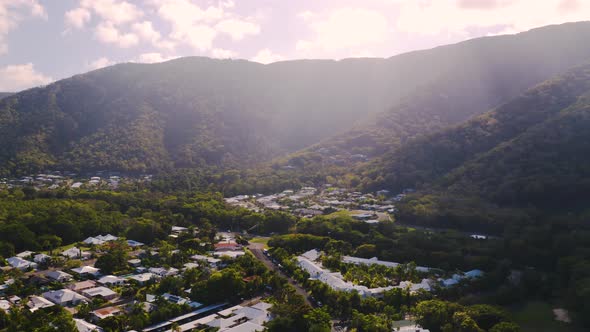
(200, 37)
(20, 77)
(456, 17)
(228, 4)
(237, 28)
(306, 15)
(345, 28)
(221, 53)
(113, 17)
(146, 32)
(154, 57)
(190, 23)
(198, 26)
(117, 12)
(100, 63)
(12, 12)
(77, 17)
(106, 32)
(267, 56)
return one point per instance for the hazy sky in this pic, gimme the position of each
(45, 40)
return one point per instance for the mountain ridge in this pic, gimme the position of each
(234, 114)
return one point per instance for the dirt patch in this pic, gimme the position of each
(562, 315)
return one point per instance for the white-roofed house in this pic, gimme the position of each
(144, 277)
(5, 305)
(21, 264)
(100, 292)
(25, 254)
(107, 238)
(111, 280)
(65, 297)
(85, 271)
(76, 253)
(93, 241)
(58, 276)
(41, 258)
(84, 326)
(37, 302)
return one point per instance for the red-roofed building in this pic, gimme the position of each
(227, 246)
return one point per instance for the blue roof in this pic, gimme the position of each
(474, 273)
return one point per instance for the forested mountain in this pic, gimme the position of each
(233, 114)
(5, 94)
(479, 75)
(530, 153)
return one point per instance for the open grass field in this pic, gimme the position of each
(262, 240)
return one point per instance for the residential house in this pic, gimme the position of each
(210, 260)
(230, 254)
(93, 241)
(162, 272)
(134, 244)
(103, 313)
(25, 254)
(180, 300)
(227, 246)
(5, 305)
(87, 271)
(14, 299)
(134, 262)
(41, 258)
(143, 278)
(58, 276)
(65, 297)
(111, 280)
(20, 263)
(100, 292)
(82, 286)
(37, 302)
(84, 326)
(176, 231)
(75, 253)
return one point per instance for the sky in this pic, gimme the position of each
(46, 40)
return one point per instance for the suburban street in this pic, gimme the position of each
(257, 250)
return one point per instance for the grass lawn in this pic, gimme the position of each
(59, 250)
(341, 213)
(263, 240)
(538, 317)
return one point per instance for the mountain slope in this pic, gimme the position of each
(530, 153)
(225, 114)
(484, 73)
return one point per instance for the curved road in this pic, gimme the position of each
(258, 250)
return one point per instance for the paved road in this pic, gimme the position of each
(257, 250)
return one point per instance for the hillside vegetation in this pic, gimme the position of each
(222, 115)
(525, 158)
(484, 73)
